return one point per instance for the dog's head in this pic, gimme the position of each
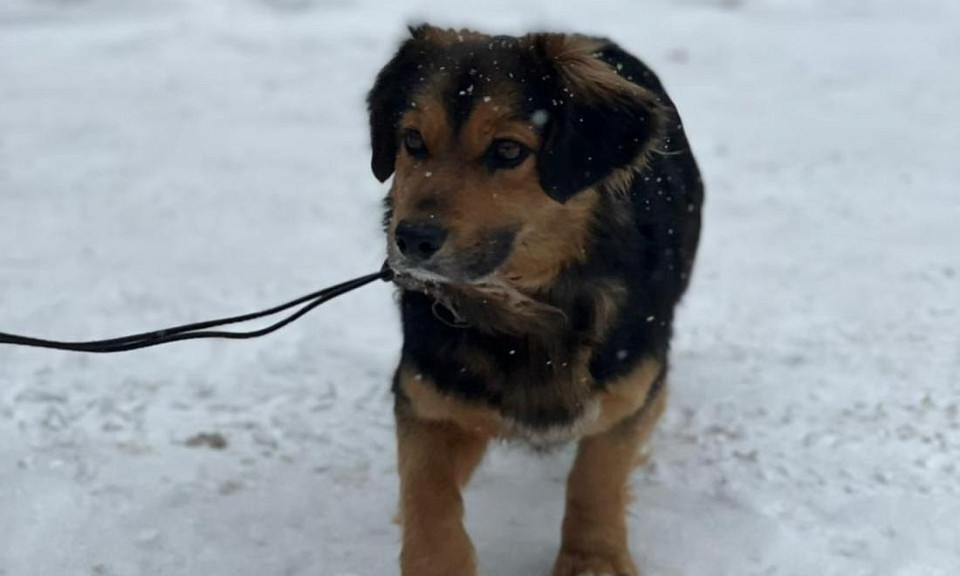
(497, 145)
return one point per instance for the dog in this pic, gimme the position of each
(542, 225)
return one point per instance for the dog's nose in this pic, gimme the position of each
(419, 240)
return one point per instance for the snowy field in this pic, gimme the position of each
(163, 161)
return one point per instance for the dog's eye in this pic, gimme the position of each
(413, 142)
(508, 153)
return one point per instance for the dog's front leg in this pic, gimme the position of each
(436, 460)
(594, 525)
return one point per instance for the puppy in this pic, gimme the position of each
(542, 223)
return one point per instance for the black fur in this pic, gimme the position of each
(644, 240)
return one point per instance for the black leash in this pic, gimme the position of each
(202, 329)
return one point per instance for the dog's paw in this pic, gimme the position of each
(587, 564)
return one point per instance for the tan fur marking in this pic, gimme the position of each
(435, 461)
(594, 525)
(430, 404)
(489, 121)
(475, 201)
(625, 396)
(555, 238)
(566, 46)
(430, 120)
(589, 76)
(621, 180)
(608, 297)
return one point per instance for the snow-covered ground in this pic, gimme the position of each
(163, 161)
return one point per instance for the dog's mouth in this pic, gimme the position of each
(440, 285)
(493, 301)
(468, 268)
(418, 279)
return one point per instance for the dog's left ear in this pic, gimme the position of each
(598, 122)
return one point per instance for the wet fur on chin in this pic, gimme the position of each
(493, 306)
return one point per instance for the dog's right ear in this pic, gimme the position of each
(389, 97)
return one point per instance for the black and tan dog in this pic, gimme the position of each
(542, 222)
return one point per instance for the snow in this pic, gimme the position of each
(170, 160)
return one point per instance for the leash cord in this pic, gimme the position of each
(202, 329)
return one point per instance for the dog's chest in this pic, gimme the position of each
(554, 408)
(543, 414)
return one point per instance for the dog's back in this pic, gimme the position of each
(656, 253)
